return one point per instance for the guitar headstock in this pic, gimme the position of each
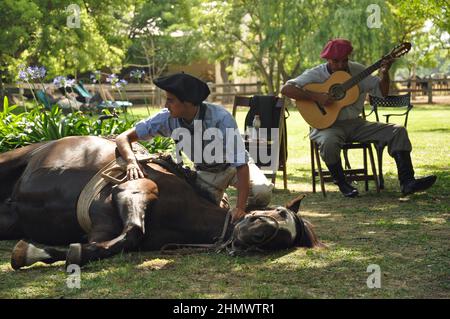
(399, 50)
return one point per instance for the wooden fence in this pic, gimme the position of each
(425, 87)
(145, 93)
(224, 93)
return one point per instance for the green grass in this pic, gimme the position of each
(408, 239)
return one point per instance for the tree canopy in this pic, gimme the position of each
(274, 40)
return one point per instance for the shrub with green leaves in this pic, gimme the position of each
(39, 125)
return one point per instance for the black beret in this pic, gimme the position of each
(184, 86)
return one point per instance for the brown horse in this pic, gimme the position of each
(39, 189)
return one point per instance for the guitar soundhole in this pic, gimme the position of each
(337, 92)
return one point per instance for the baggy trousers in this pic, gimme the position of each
(331, 140)
(217, 182)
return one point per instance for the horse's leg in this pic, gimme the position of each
(26, 254)
(131, 198)
(104, 227)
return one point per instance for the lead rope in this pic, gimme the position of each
(172, 248)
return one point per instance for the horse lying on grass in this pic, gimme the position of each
(40, 186)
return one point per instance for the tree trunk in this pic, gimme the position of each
(413, 82)
(227, 99)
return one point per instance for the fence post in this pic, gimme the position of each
(258, 87)
(430, 91)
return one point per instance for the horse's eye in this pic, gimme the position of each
(252, 218)
(283, 213)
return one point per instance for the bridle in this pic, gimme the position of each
(234, 245)
(256, 247)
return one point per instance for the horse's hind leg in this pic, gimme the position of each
(26, 254)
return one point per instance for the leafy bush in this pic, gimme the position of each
(39, 125)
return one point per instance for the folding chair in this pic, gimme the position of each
(271, 110)
(86, 96)
(401, 104)
(44, 99)
(351, 174)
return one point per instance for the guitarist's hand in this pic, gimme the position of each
(386, 65)
(322, 98)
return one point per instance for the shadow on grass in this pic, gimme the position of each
(434, 130)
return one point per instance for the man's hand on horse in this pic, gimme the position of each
(237, 213)
(135, 171)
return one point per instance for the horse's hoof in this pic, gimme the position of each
(74, 255)
(19, 255)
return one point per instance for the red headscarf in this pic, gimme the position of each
(337, 49)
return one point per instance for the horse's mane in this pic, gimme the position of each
(167, 161)
(184, 172)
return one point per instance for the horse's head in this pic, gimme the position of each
(274, 228)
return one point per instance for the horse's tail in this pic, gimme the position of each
(12, 165)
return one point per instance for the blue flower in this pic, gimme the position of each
(42, 72)
(23, 75)
(121, 83)
(70, 82)
(112, 78)
(31, 72)
(60, 81)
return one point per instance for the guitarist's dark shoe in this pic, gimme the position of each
(337, 172)
(418, 185)
(347, 190)
(409, 184)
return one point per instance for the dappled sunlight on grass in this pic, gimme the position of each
(155, 264)
(306, 213)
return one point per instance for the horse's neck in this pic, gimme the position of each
(215, 220)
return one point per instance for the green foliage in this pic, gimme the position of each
(162, 33)
(37, 32)
(39, 125)
(159, 144)
(277, 40)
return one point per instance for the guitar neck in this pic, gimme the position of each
(361, 76)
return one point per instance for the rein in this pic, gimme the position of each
(171, 247)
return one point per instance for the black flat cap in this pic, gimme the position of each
(184, 86)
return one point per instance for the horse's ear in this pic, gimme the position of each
(294, 204)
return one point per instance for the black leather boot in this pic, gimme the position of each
(337, 172)
(409, 184)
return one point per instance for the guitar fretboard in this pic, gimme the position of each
(360, 76)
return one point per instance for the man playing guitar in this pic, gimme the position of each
(350, 126)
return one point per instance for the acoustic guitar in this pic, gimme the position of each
(342, 87)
